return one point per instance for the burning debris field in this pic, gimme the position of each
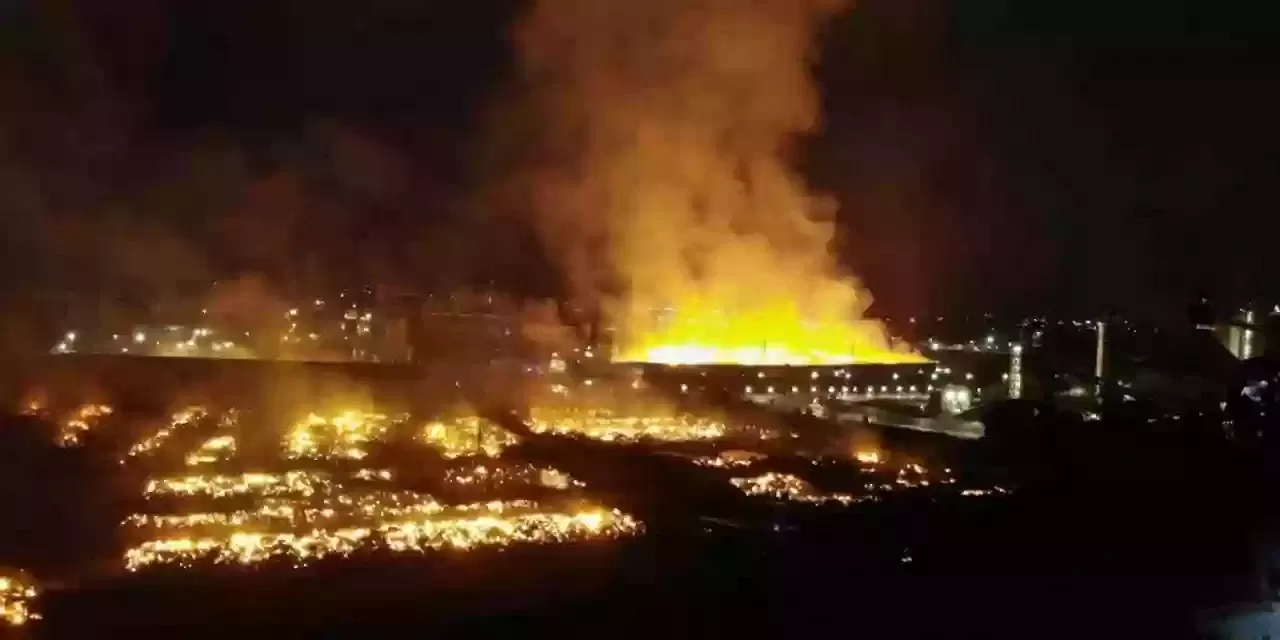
(210, 490)
(317, 501)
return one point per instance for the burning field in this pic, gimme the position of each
(222, 490)
(322, 503)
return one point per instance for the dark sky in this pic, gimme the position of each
(1049, 155)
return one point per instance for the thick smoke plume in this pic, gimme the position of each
(664, 184)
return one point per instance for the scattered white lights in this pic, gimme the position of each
(956, 399)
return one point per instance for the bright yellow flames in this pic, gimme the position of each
(817, 328)
(341, 436)
(867, 457)
(405, 536)
(786, 325)
(17, 594)
(703, 354)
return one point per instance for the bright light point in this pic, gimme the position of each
(867, 457)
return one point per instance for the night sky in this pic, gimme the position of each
(1048, 156)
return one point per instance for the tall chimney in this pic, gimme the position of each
(1100, 355)
(1015, 371)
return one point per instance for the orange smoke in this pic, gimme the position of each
(666, 178)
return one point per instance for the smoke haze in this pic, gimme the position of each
(664, 183)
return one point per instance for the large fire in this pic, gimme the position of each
(761, 339)
(665, 186)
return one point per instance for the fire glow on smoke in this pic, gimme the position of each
(671, 123)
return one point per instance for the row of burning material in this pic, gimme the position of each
(344, 435)
(880, 478)
(344, 520)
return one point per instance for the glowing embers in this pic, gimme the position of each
(178, 421)
(332, 511)
(300, 483)
(467, 437)
(414, 535)
(526, 474)
(341, 437)
(604, 425)
(17, 600)
(34, 404)
(328, 509)
(784, 486)
(221, 447)
(876, 479)
(730, 459)
(993, 491)
(306, 515)
(215, 449)
(72, 429)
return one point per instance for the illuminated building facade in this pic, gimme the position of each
(798, 386)
(1015, 371)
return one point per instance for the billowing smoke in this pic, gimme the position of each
(663, 182)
